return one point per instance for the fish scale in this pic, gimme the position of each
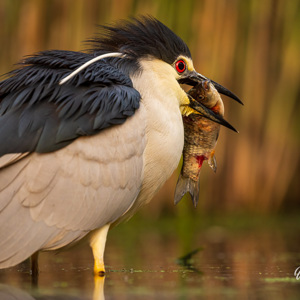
(200, 139)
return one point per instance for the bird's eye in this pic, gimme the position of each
(180, 66)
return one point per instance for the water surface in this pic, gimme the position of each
(232, 259)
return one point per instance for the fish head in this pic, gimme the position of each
(205, 99)
(205, 93)
(193, 78)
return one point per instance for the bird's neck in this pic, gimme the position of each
(161, 97)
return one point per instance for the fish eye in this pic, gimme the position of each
(180, 66)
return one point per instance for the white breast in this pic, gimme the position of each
(161, 97)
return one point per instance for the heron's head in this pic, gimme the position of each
(146, 42)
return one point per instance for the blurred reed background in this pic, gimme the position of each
(251, 47)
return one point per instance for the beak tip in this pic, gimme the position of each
(222, 90)
(231, 127)
(239, 101)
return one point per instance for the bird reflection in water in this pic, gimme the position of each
(8, 292)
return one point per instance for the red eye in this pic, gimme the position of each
(180, 66)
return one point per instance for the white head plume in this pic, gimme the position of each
(89, 62)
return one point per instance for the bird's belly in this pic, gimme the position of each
(163, 152)
(165, 139)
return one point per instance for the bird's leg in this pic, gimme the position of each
(34, 268)
(97, 242)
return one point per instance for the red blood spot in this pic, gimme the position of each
(216, 108)
(200, 159)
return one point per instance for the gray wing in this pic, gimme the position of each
(39, 115)
(51, 199)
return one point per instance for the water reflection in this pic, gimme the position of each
(8, 292)
(11, 293)
(154, 264)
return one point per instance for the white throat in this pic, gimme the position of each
(161, 98)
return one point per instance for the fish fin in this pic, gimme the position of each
(184, 185)
(212, 162)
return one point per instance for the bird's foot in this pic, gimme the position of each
(99, 269)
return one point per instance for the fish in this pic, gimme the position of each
(200, 139)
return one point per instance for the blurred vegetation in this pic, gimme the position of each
(251, 47)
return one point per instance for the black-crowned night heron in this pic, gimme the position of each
(87, 138)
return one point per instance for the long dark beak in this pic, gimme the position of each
(222, 90)
(209, 114)
(194, 78)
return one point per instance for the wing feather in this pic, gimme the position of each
(39, 115)
(72, 191)
(64, 169)
(9, 159)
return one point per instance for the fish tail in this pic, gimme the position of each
(184, 185)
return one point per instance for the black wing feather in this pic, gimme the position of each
(39, 115)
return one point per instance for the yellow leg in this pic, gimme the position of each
(97, 242)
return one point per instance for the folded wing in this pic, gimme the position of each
(70, 163)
